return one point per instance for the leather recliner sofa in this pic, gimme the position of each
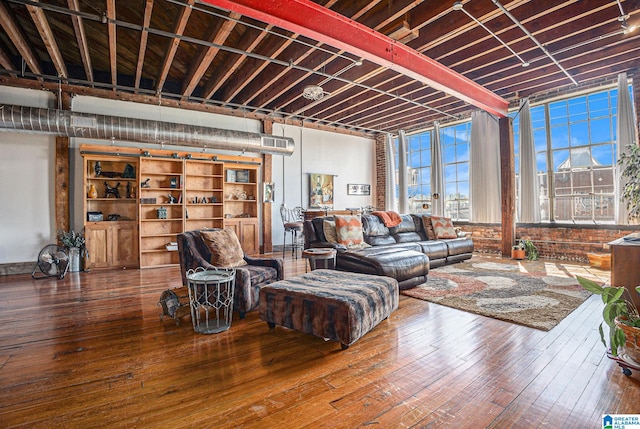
(403, 252)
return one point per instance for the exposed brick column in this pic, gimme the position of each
(381, 172)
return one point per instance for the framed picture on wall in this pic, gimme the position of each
(356, 189)
(267, 194)
(320, 190)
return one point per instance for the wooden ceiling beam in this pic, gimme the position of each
(5, 61)
(18, 39)
(207, 54)
(113, 57)
(321, 24)
(81, 39)
(251, 39)
(230, 91)
(144, 37)
(49, 40)
(181, 23)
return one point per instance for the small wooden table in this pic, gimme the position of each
(625, 259)
(326, 254)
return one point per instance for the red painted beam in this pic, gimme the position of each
(319, 23)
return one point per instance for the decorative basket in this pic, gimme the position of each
(632, 345)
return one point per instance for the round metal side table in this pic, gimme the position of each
(211, 298)
(325, 255)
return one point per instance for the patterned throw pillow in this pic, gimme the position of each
(329, 229)
(225, 248)
(349, 230)
(443, 227)
(428, 227)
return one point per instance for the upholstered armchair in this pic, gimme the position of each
(195, 252)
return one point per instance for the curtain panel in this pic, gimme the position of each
(529, 193)
(403, 185)
(626, 132)
(390, 184)
(484, 169)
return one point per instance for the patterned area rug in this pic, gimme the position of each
(505, 291)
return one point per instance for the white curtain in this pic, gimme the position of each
(626, 132)
(484, 169)
(437, 178)
(403, 187)
(390, 185)
(529, 207)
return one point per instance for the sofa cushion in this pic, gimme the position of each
(225, 248)
(329, 230)
(407, 225)
(428, 227)
(443, 227)
(349, 230)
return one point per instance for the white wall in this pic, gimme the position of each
(27, 193)
(351, 159)
(27, 205)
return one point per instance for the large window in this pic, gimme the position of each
(419, 172)
(575, 146)
(455, 142)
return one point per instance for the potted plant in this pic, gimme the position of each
(530, 249)
(75, 244)
(518, 251)
(620, 315)
(631, 173)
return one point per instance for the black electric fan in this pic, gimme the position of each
(52, 261)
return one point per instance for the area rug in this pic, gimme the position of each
(512, 292)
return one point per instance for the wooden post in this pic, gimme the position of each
(508, 188)
(267, 176)
(61, 178)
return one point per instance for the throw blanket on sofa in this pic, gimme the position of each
(389, 218)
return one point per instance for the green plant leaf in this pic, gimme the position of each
(590, 285)
(612, 294)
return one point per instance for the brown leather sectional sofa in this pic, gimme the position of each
(403, 252)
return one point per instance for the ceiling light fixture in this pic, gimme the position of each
(626, 28)
(313, 92)
(458, 6)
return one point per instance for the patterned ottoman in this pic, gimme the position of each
(335, 305)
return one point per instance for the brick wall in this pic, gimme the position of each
(381, 177)
(563, 242)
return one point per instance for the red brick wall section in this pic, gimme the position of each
(562, 242)
(381, 175)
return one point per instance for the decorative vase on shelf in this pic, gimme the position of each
(93, 192)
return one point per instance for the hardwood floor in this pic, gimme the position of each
(91, 351)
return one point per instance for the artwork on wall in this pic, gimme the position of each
(355, 189)
(267, 194)
(320, 190)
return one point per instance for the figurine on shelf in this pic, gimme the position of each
(108, 190)
(145, 184)
(131, 192)
(97, 168)
(172, 199)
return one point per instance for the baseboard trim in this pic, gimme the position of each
(16, 268)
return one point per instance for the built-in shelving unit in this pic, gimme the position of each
(161, 210)
(158, 195)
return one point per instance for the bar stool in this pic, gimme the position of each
(292, 219)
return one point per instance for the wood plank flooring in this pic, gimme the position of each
(91, 351)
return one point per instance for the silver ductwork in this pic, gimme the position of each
(103, 127)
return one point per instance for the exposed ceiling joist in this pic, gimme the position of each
(314, 21)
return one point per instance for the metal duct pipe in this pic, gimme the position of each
(74, 124)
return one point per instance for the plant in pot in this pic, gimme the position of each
(75, 244)
(631, 174)
(620, 315)
(518, 251)
(530, 249)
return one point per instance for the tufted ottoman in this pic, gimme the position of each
(334, 305)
